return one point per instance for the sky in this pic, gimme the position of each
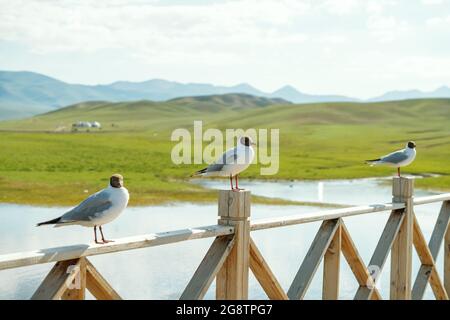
(357, 48)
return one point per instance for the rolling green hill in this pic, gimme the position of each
(317, 141)
(141, 115)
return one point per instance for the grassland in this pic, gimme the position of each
(317, 141)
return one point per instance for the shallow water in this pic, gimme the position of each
(163, 272)
(351, 191)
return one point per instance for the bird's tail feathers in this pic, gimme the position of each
(53, 221)
(199, 172)
(65, 223)
(372, 162)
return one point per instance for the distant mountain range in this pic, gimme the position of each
(24, 93)
(442, 92)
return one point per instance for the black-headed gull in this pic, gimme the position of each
(232, 162)
(99, 209)
(397, 159)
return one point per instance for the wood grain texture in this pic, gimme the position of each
(56, 254)
(428, 271)
(98, 286)
(264, 274)
(284, 221)
(232, 278)
(312, 260)
(356, 263)
(382, 250)
(78, 287)
(331, 268)
(401, 251)
(437, 237)
(60, 277)
(208, 268)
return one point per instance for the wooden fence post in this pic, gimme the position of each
(331, 267)
(232, 279)
(79, 290)
(401, 251)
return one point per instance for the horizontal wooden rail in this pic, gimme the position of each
(431, 199)
(22, 259)
(339, 213)
(322, 215)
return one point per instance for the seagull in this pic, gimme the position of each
(398, 159)
(232, 162)
(98, 209)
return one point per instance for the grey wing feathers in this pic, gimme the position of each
(227, 158)
(85, 211)
(395, 157)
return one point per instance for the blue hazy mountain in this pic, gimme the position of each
(442, 92)
(291, 94)
(25, 93)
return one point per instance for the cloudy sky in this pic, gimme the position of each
(352, 47)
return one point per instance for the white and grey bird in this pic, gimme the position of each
(397, 159)
(98, 209)
(232, 162)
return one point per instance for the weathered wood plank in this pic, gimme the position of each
(440, 228)
(401, 251)
(312, 260)
(322, 215)
(428, 274)
(382, 250)
(15, 260)
(331, 268)
(439, 291)
(339, 213)
(97, 285)
(208, 268)
(232, 279)
(264, 274)
(432, 199)
(77, 290)
(356, 263)
(428, 269)
(421, 245)
(57, 280)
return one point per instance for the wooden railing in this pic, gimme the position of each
(233, 253)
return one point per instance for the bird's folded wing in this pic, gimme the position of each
(229, 157)
(395, 157)
(89, 208)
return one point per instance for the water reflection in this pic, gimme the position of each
(353, 192)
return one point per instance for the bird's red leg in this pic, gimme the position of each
(237, 185)
(103, 238)
(232, 188)
(231, 182)
(398, 171)
(95, 235)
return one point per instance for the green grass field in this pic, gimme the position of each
(42, 162)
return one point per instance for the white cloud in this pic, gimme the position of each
(341, 7)
(310, 44)
(438, 22)
(423, 67)
(379, 6)
(62, 26)
(386, 28)
(432, 2)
